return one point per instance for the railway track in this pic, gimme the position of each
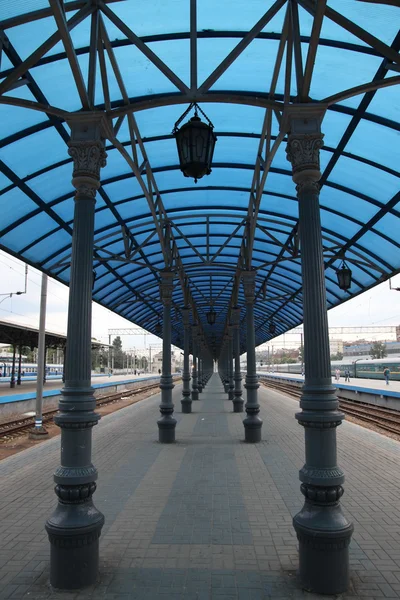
(384, 418)
(15, 427)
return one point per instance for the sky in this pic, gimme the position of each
(379, 306)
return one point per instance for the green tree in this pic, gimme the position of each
(378, 350)
(30, 354)
(337, 356)
(118, 353)
(301, 354)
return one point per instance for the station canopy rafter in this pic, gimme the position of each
(244, 63)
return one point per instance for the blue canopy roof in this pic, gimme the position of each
(143, 63)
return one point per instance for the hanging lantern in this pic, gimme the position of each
(272, 327)
(158, 327)
(344, 276)
(195, 141)
(211, 316)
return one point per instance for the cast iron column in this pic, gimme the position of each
(199, 364)
(186, 401)
(75, 526)
(231, 390)
(195, 391)
(323, 531)
(167, 423)
(238, 398)
(252, 423)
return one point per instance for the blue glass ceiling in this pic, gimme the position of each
(149, 65)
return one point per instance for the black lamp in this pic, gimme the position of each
(195, 141)
(344, 276)
(272, 327)
(158, 327)
(94, 275)
(211, 316)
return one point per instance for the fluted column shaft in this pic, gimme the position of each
(252, 423)
(231, 390)
(186, 401)
(199, 367)
(238, 394)
(195, 390)
(167, 423)
(75, 526)
(322, 530)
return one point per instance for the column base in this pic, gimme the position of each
(186, 406)
(323, 552)
(195, 395)
(252, 429)
(231, 394)
(238, 405)
(38, 433)
(200, 386)
(74, 545)
(166, 430)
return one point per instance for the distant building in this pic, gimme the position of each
(392, 348)
(156, 363)
(335, 346)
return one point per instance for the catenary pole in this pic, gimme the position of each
(38, 430)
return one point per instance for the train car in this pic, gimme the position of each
(29, 369)
(364, 369)
(373, 368)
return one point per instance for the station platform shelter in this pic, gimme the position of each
(216, 173)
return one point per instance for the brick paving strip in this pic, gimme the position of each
(208, 517)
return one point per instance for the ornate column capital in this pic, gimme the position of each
(86, 147)
(249, 285)
(302, 151)
(166, 286)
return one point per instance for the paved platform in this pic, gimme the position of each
(208, 517)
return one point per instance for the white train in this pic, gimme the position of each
(28, 369)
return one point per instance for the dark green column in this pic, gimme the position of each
(322, 529)
(167, 423)
(195, 390)
(186, 401)
(252, 423)
(238, 394)
(75, 526)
